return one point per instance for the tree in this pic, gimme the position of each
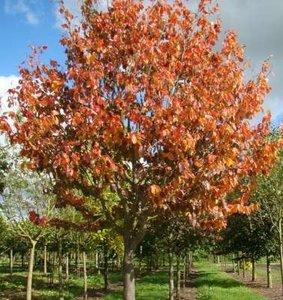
(269, 194)
(147, 107)
(27, 206)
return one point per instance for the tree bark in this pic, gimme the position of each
(30, 270)
(67, 266)
(268, 272)
(128, 270)
(11, 261)
(233, 262)
(85, 275)
(238, 264)
(253, 269)
(97, 262)
(171, 275)
(45, 260)
(105, 271)
(60, 269)
(185, 271)
(244, 267)
(178, 281)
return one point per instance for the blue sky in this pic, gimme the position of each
(36, 22)
(25, 23)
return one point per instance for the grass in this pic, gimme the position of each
(13, 287)
(150, 287)
(275, 274)
(214, 284)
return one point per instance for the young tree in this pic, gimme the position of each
(27, 207)
(269, 194)
(147, 106)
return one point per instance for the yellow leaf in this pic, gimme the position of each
(228, 161)
(155, 190)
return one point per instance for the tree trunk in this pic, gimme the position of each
(178, 281)
(23, 260)
(129, 271)
(233, 262)
(77, 260)
(244, 265)
(60, 269)
(253, 269)
(281, 252)
(105, 271)
(85, 275)
(185, 271)
(30, 270)
(11, 261)
(171, 275)
(268, 272)
(238, 264)
(45, 260)
(97, 262)
(67, 266)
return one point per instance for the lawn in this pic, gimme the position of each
(149, 287)
(214, 284)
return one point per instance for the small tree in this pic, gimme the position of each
(270, 196)
(148, 107)
(27, 207)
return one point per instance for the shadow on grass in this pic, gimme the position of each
(159, 278)
(226, 283)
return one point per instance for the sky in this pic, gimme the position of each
(259, 24)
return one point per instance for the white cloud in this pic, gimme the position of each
(6, 83)
(14, 7)
(74, 6)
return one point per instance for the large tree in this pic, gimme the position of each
(146, 106)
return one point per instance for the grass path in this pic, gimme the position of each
(214, 284)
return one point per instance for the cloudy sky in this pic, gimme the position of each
(259, 24)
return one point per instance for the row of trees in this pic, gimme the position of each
(147, 120)
(259, 234)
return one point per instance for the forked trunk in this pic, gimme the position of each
(129, 272)
(30, 270)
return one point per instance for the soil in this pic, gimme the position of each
(190, 291)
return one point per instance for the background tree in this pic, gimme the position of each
(27, 206)
(146, 105)
(269, 194)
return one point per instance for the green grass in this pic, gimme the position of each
(13, 287)
(275, 274)
(150, 287)
(214, 284)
